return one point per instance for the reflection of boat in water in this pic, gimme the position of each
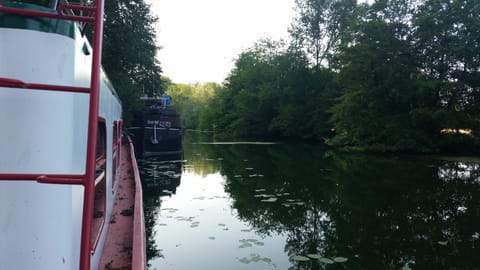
(157, 129)
(64, 167)
(161, 174)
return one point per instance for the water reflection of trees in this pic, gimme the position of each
(202, 159)
(380, 212)
(151, 208)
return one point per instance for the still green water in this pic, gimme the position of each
(299, 206)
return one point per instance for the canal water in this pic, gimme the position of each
(248, 205)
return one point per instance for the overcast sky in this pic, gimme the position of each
(201, 38)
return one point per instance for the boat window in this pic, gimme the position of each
(115, 133)
(100, 185)
(101, 141)
(115, 153)
(45, 3)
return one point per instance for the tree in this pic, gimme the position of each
(191, 101)
(272, 93)
(448, 48)
(129, 51)
(320, 26)
(377, 77)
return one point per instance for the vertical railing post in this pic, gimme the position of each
(85, 252)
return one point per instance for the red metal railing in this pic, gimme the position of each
(95, 16)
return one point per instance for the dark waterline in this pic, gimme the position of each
(284, 206)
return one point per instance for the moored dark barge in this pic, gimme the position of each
(157, 129)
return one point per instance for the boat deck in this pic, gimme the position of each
(125, 245)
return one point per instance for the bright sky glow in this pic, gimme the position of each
(200, 39)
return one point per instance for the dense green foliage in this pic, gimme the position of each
(385, 77)
(129, 51)
(191, 101)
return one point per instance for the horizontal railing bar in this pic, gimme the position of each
(72, 179)
(61, 180)
(34, 13)
(13, 83)
(76, 7)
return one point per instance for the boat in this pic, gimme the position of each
(70, 191)
(157, 129)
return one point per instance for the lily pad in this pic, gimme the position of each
(244, 260)
(270, 200)
(255, 257)
(267, 260)
(326, 260)
(300, 258)
(245, 245)
(340, 259)
(314, 256)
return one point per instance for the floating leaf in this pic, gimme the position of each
(245, 245)
(301, 258)
(270, 200)
(340, 259)
(244, 260)
(314, 256)
(443, 243)
(326, 260)
(264, 196)
(255, 257)
(267, 260)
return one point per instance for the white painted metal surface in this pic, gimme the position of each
(46, 132)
